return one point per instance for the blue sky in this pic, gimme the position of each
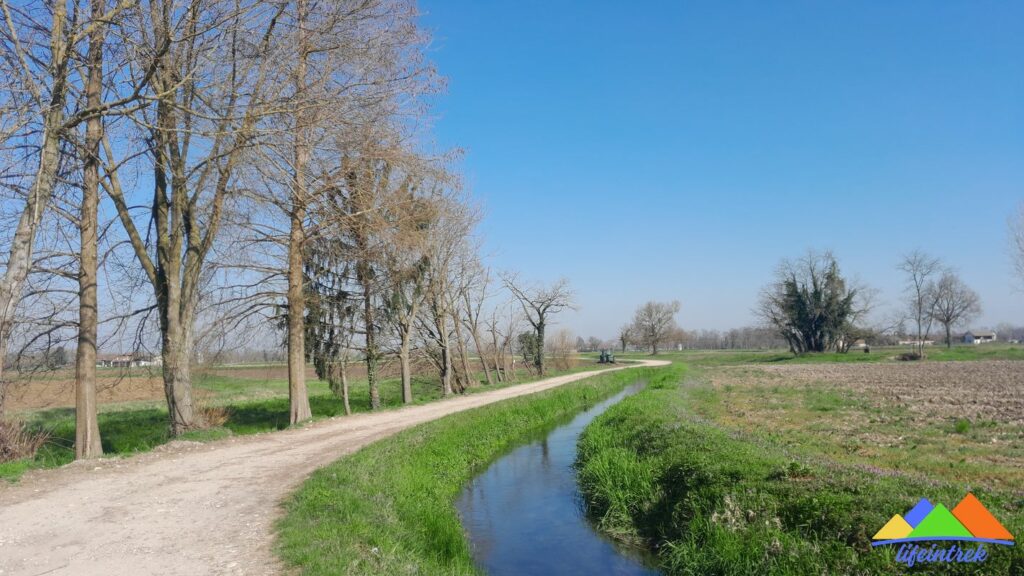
(679, 150)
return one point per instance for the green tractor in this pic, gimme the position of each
(606, 357)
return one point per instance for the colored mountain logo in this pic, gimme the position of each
(968, 521)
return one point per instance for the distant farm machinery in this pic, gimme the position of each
(606, 357)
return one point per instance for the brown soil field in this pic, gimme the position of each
(356, 371)
(983, 390)
(961, 422)
(56, 389)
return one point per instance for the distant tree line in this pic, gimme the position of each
(815, 308)
(811, 306)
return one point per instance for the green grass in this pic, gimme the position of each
(715, 500)
(962, 426)
(389, 508)
(255, 406)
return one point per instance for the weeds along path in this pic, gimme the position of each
(190, 508)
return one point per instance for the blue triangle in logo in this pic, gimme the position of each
(918, 512)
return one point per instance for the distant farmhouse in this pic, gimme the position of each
(916, 342)
(979, 337)
(127, 361)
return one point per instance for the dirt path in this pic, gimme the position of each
(190, 508)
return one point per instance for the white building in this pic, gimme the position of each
(127, 361)
(979, 337)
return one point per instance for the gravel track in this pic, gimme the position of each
(190, 508)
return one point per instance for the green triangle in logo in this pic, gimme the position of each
(940, 523)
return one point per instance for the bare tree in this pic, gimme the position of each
(561, 349)
(654, 323)
(405, 288)
(474, 295)
(447, 242)
(367, 206)
(955, 303)
(37, 65)
(469, 291)
(1016, 228)
(87, 431)
(210, 67)
(299, 409)
(539, 304)
(464, 374)
(503, 324)
(922, 297)
(406, 265)
(350, 77)
(625, 335)
(353, 61)
(405, 296)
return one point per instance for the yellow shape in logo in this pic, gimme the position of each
(894, 529)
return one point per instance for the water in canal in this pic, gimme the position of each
(524, 514)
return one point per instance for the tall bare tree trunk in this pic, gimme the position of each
(371, 338)
(298, 398)
(538, 357)
(498, 356)
(87, 430)
(446, 361)
(483, 359)
(297, 394)
(473, 325)
(339, 377)
(19, 258)
(344, 387)
(508, 361)
(403, 360)
(177, 369)
(173, 279)
(175, 292)
(178, 384)
(464, 354)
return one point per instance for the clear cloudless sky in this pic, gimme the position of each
(679, 150)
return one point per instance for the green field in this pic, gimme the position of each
(730, 471)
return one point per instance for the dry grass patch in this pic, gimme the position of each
(955, 421)
(19, 441)
(984, 390)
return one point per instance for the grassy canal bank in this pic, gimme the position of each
(389, 508)
(710, 473)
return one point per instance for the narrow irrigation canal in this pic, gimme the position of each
(525, 514)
